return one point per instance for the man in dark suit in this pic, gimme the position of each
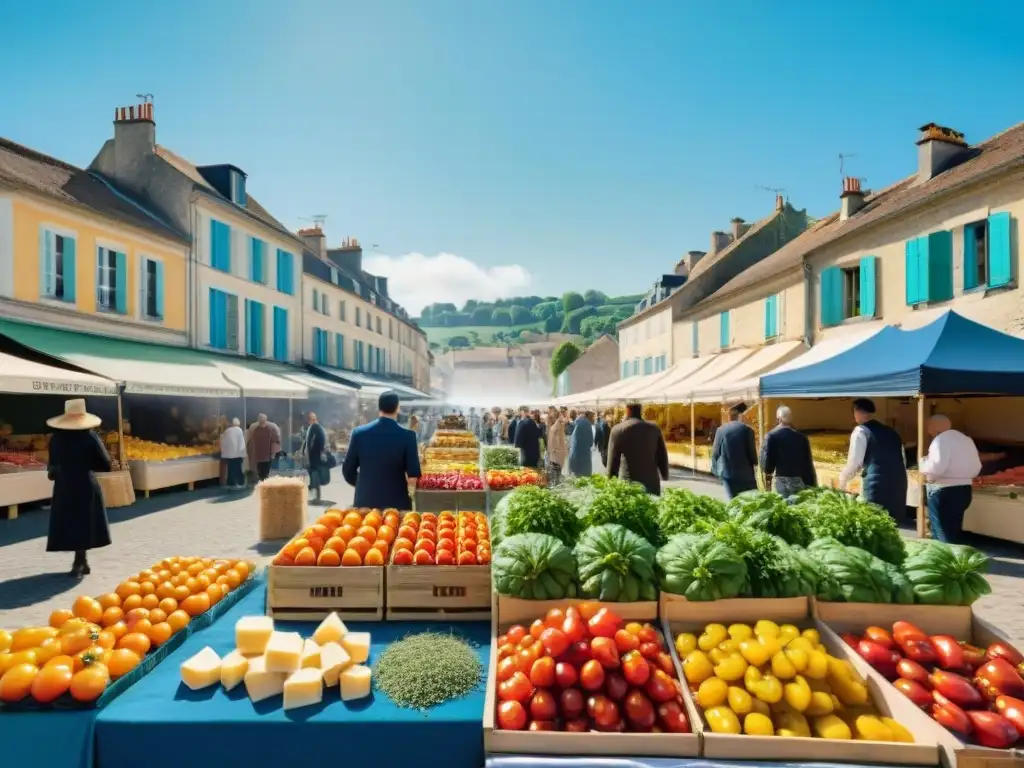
(601, 435)
(734, 454)
(786, 456)
(382, 459)
(641, 446)
(528, 437)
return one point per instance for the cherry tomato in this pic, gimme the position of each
(51, 683)
(516, 688)
(615, 686)
(89, 684)
(555, 641)
(664, 663)
(588, 608)
(914, 691)
(574, 626)
(565, 675)
(570, 702)
(505, 668)
(592, 675)
(634, 667)
(649, 651)
(526, 656)
(527, 641)
(537, 628)
(541, 725)
(516, 633)
(579, 653)
(639, 711)
(902, 631)
(511, 716)
(577, 725)
(604, 623)
(604, 651)
(502, 639)
(660, 686)
(542, 673)
(648, 634)
(911, 670)
(672, 717)
(555, 617)
(17, 681)
(508, 649)
(543, 705)
(604, 711)
(626, 641)
(880, 636)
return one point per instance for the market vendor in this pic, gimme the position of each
(950, 467)
(877, 452)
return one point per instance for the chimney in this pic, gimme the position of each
(719, 242)
(739, 228)
(938, 150)
(348, 257)
(779, 203)
(134, 141)
(852, 198)
(314, 239)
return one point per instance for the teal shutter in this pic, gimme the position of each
(339, 350)
(47, 272)
(970, 258)
(70, 271)
(913, 269)
(723, 330)
(281, 334)
(249, 329)
(220, 245)
(831, 296)
(1000, 265)
(260, 335)
(121, 270)
(940, 266)
(159, 289)
(868, 302)
(257, 265)
(218, 319)
(371, 362)
(924, 260)
(285, 276)
(771, 317)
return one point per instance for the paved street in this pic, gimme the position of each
(215, 523)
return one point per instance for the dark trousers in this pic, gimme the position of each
(235, 476)
(262, 470)
(734, 486)
(946, 508)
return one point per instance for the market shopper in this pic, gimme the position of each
(318, 460)
(382, 459)
(636, 448)
(232, 451)
(786, 457)
(877, 452)
(734, 454)
(557, 447)
(260, 447)
(78, 517)
(601, 433)
(581, 446)
(528, 436)
(950, 467)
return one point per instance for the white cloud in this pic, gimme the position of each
(415, 280)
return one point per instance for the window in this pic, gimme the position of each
(220, 245)
(254, 323)
(625, 369)
(238, 196)
(325, 308)
(57, 266)
(281, 334)
(334, 275)
(848, 292)
(152, 289)
(358, 317)
(929, 268)
(341, 311)
(378, 324)
(339, 350)
(987, 259)
(771, 317)
(648, 366)
(851, 292)
(285, 272)
(976, 255)
(111, 283)
(391, 329)
(316, 300)
(321, 339)
(724, 334)
(636, 366)
(257, 260)
(223, 320)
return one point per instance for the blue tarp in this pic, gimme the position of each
(950, 356)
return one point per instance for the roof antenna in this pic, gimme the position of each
(842, 162)
(318, 219)
(147, 98)
(777, 191)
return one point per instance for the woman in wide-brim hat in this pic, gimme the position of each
(78, 518)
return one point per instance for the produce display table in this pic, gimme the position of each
(227, 729)
(997, 512)
(152, 475)
(22, 487)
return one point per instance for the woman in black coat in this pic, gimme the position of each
(78, 518)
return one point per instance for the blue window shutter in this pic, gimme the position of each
(258, 346)
(121, 268)
(770, 314)
(970, 258)
(723, 330)
(868, 302)
(220, 245)
(47, 273)
(70, 271)
(940, 266)
(217, 319)
(923, 269)
(249, 329)
(257, 268)
(913, 264)
(1000, 265)
(159, 289)
(831, 296)
(339, 351)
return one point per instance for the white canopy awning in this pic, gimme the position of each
(322, 385)
(150, 377)
(650, 389)
(716, 366)
(25, 377)
(256, 383)
(742, 381)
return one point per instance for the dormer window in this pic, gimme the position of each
(238, 188)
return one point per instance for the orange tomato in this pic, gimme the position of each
(367, 532)
(320, 531)
(329, 520)
(180, 593)
(89, 656)
(168, 605)
(426, 534)
(351, 558)
(128, 588)
(282, 559)
(165, 591)
(5, 641)
(335, 543)
(428, 517)
(403, 543)
(194, 605)
(118, 630)
(106, 639)
(61, 661)
(422, 557)
(31, 637)
(380, 546)
(315, 542)
(121, 662)
(195, 569)
(135, 641)
(306, 556)
(467, 558)
(58, 617)
(402, 557)
(147, 588)
(178, 620)
(131, 602)
(134, 615)
(345, 532)
(483, 556)
(112, 615)
(16, 682)
(391, 521)
(329, 558)
(360, 545)
(446, 544)
(109, 600)
(425, 545)
(47, 650)
(75, 642)
(192, 585)
(215, 593)
(156, 616)
(373, 557)
(90, 683)
(160, 633)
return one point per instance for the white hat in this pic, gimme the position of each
(75, 417)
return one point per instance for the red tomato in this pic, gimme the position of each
(555, 641)
(527, 641)
(516, 633)
(604, 711)
(526, 656)
(588, 608)
(542, 673)
(672, 717)
(573, 625)
(543, 705)
(604, 650)
(902, 631)
(508, 649)
(615, 686)
(650, 651)
(577, 725)
(999, 676)
(570, 702)
(592, 675)
(511, 716)
(639, 711)
(506, 667)
(664, 662)
(555, 617)
(880, 636)
(873, 653)
(1010, 708)
(635, 668)
(911, 670)
(973, 655)
(516, 688)
(626, 641)
(542, 725)
(921, 651)
(579, 653)
(1004, 651)
(914, 691)
(537, 628)
(951, 655)
(992, 730)
(660, 686)
(957, 689)
(604, 623)
(950, 716)
(648, 634)
(565, 674)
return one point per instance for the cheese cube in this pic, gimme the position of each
(252, 633)
(232, 669)
(310, 654)
(303, 688)
(331, 630)
(355, 683)
(333, 660)
(284, 652)
(201, 670)
(358, 646)
(260, 683)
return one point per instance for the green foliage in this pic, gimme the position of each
(769, 512)
(501, 316)
(572, 321)
(530, 509)
(546, 309)
(481, 315)
(594, 298)
(553, 324)
(470, 305)
(683, 511)
(627, 504)
(594, 328)
(851, 522)
(570, 301)
(520, 314)
(458, 342)
(567, 353)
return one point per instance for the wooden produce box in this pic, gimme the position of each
(956, 620)
(436, 501)
(472, 501)
(153, 475)
(509, 611)
(22, 487)
(438, 592)
(310, 593)
(680, 615)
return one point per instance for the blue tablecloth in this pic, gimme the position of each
(158, 713)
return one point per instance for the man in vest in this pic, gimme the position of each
(878, 451)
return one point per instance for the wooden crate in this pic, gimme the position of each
(509, 611)
(152, 475)
(310, 593)
(438, 592)
(436, 501)
(471, 501)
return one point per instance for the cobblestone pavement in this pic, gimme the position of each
(216, 523)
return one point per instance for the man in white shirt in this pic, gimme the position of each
(877, 450)
(232, 451)
(950, 466)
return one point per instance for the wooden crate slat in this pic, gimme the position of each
(440, 588)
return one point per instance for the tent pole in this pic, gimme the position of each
(120, 430)
(922, 500)
(693, 438)
(760, 434)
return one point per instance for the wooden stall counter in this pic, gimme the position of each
(153, 475)
(997, 512)
(22, 487)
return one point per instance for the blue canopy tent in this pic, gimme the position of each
(948, 357)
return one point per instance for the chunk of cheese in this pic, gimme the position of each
(201, 670)
(333, 660)
(303, 688)
(232, 669)
(252, 633)
(260, 683)
(358, 646)
(355, 683)
(310, 654)
(284, 652)
(331, 630)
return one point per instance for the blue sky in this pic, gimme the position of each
(574, 143)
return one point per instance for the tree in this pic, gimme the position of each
(570, 301)
(597, 326)
(594, 298)
(481, 315)
(546, 309)
(567, 353)
(520, 314)
(553, 324)
(434, 345)
(470, 305)
(458, 342)
(501, 316)
(571, 323)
